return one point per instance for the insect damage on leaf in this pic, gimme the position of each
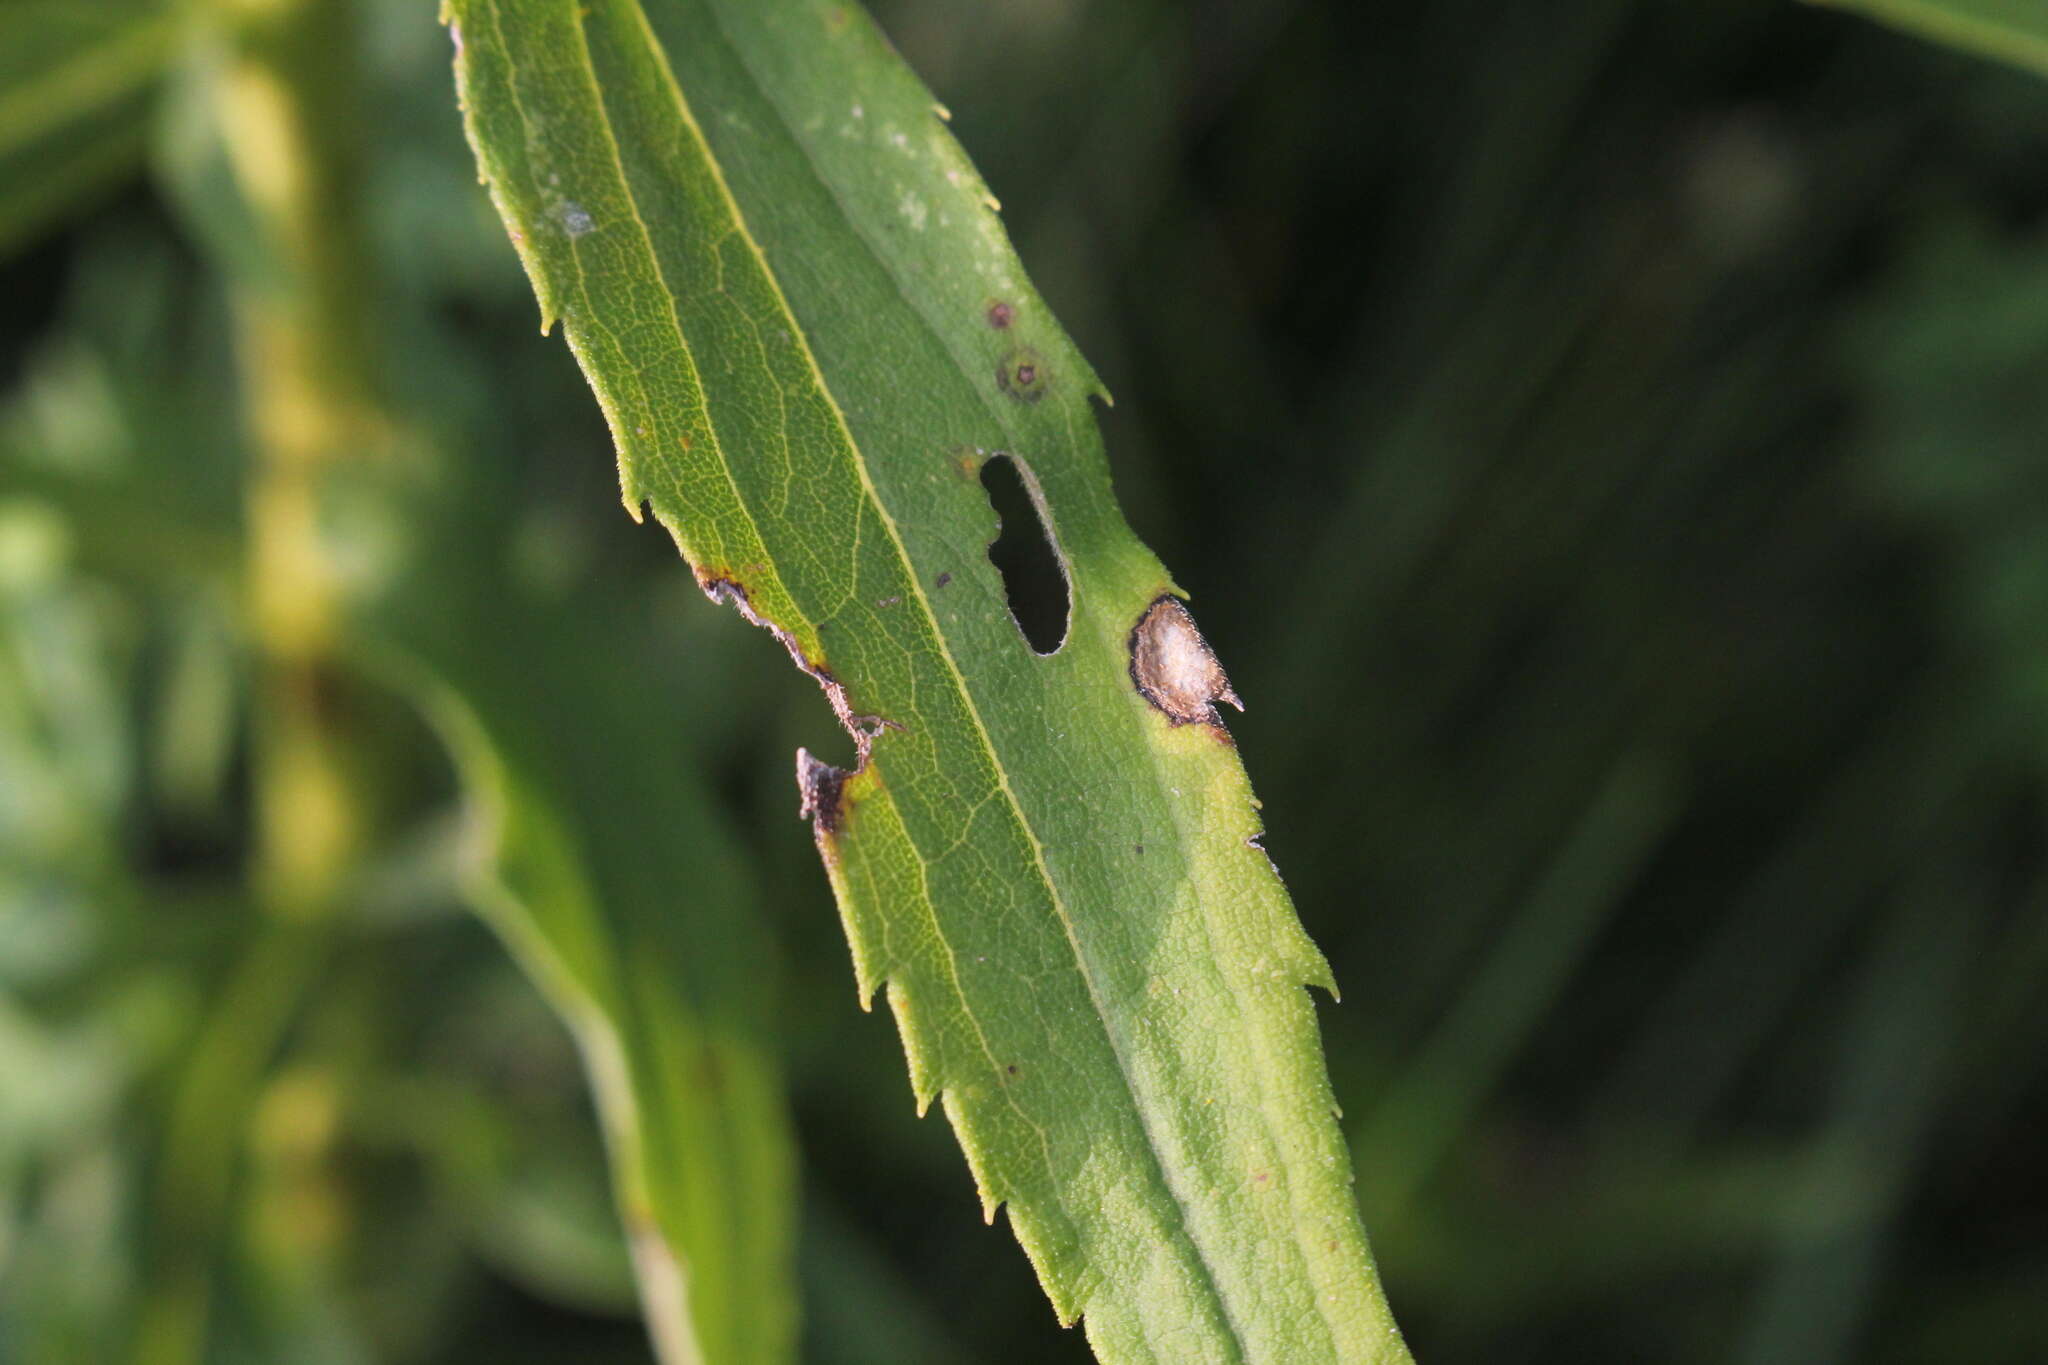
(1175, 669)
(819, 784)
(1026, 554)
(972, 861)
(821, 788)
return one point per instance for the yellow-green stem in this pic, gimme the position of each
(286, 107)
(283, 105)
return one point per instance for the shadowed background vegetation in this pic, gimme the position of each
(1606, 442)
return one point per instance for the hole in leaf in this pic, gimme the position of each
(1034, 579)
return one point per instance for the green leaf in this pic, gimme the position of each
(807, 330)
(2011, 30)
(75, 83)
(604, 868)
(602, 862)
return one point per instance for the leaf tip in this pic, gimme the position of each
(1318, 973)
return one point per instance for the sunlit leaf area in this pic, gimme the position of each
(1604, 444)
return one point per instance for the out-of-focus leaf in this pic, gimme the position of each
(1946, 360)
(121, 420)
(75, 83)
(2011, 30)
(809, 334)
(64, 758)
(602, 862)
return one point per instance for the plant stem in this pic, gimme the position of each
(286, 112)
(282, 99)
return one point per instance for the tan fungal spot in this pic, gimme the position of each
(1175, 669)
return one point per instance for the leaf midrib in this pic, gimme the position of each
(1001, 413)
(625, 180)
(1111, 1033)
(647, 241)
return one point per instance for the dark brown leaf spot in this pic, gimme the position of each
(1000, 315)
(1022, 376)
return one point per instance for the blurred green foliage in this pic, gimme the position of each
(2011, 30)
(1607, 444)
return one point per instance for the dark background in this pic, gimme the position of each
(1606, 442)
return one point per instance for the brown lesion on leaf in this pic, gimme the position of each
(1000, 315)
(1173, 667)
(967, 460)
(1022, 375)
(820, 786)
(821, 789)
